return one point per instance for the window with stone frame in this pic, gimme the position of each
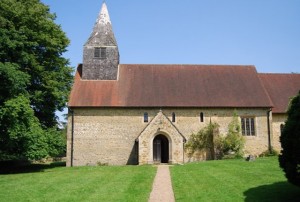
(173, 117)
(146, 117)
(248, 126)
(201, 117)
(100, 52)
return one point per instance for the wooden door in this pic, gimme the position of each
(157, 150)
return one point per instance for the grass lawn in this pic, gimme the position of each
(102, 183)
(232, 180)
(229, 180)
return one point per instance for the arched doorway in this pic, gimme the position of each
(161, 149)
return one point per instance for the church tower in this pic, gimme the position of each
(100, 52)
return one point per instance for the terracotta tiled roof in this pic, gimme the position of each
(281, 87)
(173, 86)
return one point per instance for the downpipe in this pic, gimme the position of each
(72, 136)
(269, 131)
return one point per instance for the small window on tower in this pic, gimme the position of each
(97, 53)
(100, 52)
(103, 53)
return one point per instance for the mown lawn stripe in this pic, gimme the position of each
(232, 180)
(107, 183)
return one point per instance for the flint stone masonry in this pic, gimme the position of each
(119, 136)
(277, 120)
(100, 69)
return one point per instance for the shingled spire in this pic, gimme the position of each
(100, 53)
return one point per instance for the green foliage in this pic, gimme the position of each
(205, 139)
(289, 159)
(233, 143)
(35, 79)
(34, 43)
(209, 138)
(21, 134)
(101, 164)
(267, 153)
(56, 140)
(14, 81)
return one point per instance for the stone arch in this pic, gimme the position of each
(160, 124)
(164, 153)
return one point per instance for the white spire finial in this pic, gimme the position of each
(102, 33)
(103, 17)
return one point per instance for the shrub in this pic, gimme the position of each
(268, 153)
(233, 143)
(289, 159)
(209, 138)
(99, 163)
(205, 139)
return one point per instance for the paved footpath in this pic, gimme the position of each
(162, 187)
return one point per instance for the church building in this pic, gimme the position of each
(133, 114)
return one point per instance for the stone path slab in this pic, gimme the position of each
(162, 186)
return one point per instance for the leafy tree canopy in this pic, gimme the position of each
(35, 77)
(290, 142)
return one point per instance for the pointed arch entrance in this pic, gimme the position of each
(160, 149)
(160, 141)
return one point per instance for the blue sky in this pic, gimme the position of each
(264, 33)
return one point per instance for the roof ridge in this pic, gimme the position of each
(207, 65)
(276, 73)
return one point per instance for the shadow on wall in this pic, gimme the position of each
(280, 191)
(133, 157)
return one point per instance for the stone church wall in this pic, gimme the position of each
(105, 136)
(108, 135)
(278, 119)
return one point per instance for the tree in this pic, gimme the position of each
(289, 159)
(35, 78)
(21, 134)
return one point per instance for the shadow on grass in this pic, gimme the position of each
(15, 167)
(280, 191)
